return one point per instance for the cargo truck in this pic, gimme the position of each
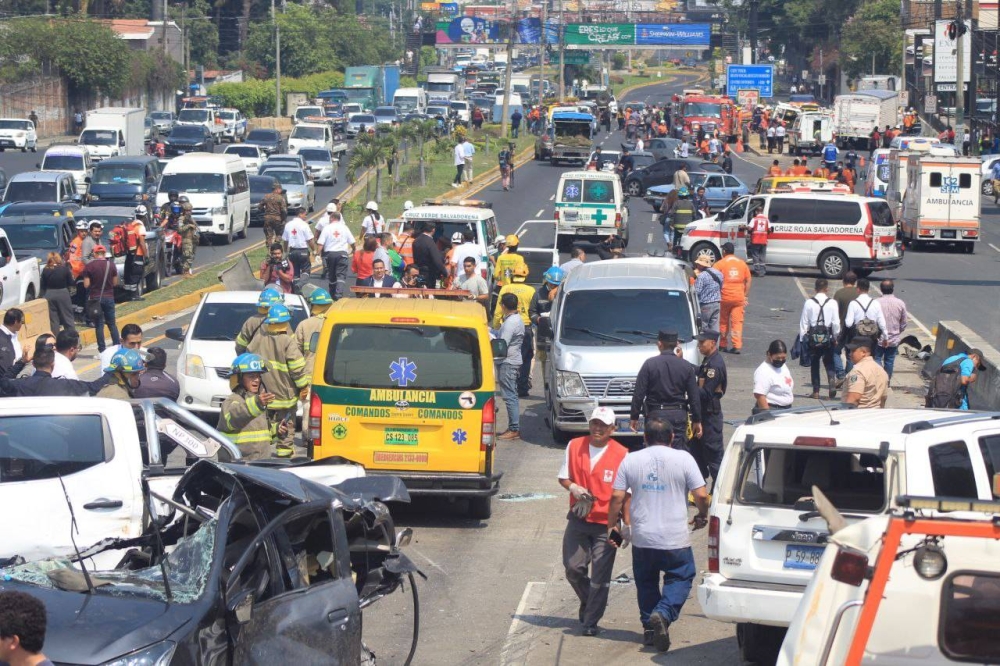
(941, 202)
(443, 84)
(113, 131)
(371, 85)
(856, 114)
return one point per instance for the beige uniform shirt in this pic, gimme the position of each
(870, 380)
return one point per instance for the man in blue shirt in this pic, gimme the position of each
(971, 363)
(830, 155)
(995, 175)
(708, 287)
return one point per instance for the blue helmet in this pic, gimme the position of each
(278, 314)
(126, 360)
(320, 296)
(683, 192)
(247, 362)
(269, 297)
(175, 207)
(554, 276)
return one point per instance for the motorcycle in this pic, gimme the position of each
(172, 253)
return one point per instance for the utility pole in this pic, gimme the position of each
(164, 27)
(960, 74)
(543, 43)
(753, 31)
(277, 62)
(562, 52)
(822, 74)
(511, 29)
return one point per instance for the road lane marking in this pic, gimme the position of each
(539, 213)
(552, 198)
(516, 647)
(994, 247)
(429, 560)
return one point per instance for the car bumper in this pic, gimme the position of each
(212, 224)
(571, 414)
(728, 600)
(445, 484)
(876, 264)
(321, 175)
(10, 142)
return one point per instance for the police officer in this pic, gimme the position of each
(712, 383)
(275, 213)
(525, 295)
(668, 384)
(188, 229)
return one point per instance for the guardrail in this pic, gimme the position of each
(953, 337)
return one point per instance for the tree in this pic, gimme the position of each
(423, 130)
(872, 36)
(372, 151)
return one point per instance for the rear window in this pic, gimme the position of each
(63, 163)
(33, 448)
(970, 617)
(31, 191)
(223, 321)
(598, 191)
(422, 357)
(572, 191)
(784, 476)
(951, 470)
(881, 215)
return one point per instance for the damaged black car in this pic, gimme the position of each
(249, 566)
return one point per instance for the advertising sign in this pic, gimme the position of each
(449, 8)
(577, 57)
(469, 30)
(529, 31)
(600, 35)
(672, 34)
(945, 60)
(748, 99)
(750, 77)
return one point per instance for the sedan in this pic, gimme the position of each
(386, 115)
(283, 160)
(269, 140)
(719, 190)
(662, 173)
(163, 121)
(321, 164)
(189, 139)
(663, 148)
(251, 155)
(987, 173)
(360, 122)
(300, 191)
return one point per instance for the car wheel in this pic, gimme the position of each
(704, 250)
(559, 436)
(25, 149)
(243, 232)
(987, 187)
(969, 248)
(833, 264)
(758, 643)
(481, 508)
(154, 279)
(34, 148)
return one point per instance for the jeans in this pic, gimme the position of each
(508, 391)
(886, 357)
(827, 358)
(677, 567)
(514, 130)
(107, 316)
(459, 170)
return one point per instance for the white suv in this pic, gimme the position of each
(766, 537)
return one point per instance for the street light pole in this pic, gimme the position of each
(277, 62)
(562, 52)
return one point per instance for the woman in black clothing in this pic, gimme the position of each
(57, 278)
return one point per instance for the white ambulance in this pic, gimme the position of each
(941, 203)
(899, 159)
(590, 205)
(835, 233)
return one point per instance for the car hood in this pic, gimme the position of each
(183, 141)
(210, 351)
(33, 253)
(623, 360)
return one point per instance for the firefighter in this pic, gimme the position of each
(251, 327)
(125, 367)
(319, 302)
(243, 417)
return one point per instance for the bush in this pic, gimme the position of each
(619, 61)
(616, 79)
(255, 97)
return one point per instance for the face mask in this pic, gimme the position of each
(778, 362)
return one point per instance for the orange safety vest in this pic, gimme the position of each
(405, 248)
(598, 481)
(775, 171)
(76, 262)
(758, 229)
(132, 239)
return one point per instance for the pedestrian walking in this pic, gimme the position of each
(847, 293)
(736, 279)
(22, 626)
(298, 240)
(124, 372)
(515, 122)
(708, 287)
(864, 315)
(243, 417)
(372, 224)
(771, 138)
(156, 382)
(760, 229)
(100, 277)
(660, 478)
(713, 381)
(819, 328)
(511, 331)
(830, 154)
(468, 153)
(588, 472)
(427, 255)
(56, 280)
(773, 385)
(337, 244)
(667, 386)
(275, 212)
(867, 385)
(896, 317)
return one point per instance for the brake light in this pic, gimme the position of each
(713, 545)
(484, 274)
(850, 567)
(870, 237)
(618, 220)
(814, 441)
(404, 320)
(555, 215)
(315, 419)
(489, 424)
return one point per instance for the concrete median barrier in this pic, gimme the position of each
(952, 337)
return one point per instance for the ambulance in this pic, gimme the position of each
(835, 233)
(879, 171)
(590, 205)
(941, 202)
(899, 159)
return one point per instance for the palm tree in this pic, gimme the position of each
(370, 152)
(423, 130)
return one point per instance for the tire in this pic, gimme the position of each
(25, 149)
(759, 644)
(705, 249)
(833, 264)
(29, 295)
(481, 508)
(987, 187)
(559, 436)
(154, 279)
(34, 148)
(633, 188)
(968, 248)
(246, 225)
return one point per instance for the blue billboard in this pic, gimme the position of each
(529, 31)
(672, 34)
(750, 77)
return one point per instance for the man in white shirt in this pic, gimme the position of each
(685, 149)
(861, 312)
(67, 349)
(819, 312)
(337, 244)
(298, 238)
(324, 219)
(779, 136)
(459, 163)
(469, 153)
(467, 248)
(131, 339)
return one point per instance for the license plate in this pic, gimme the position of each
(401, 436)
(6, 142)
(622, 425)
(803, 557)
(571, 215)
(400, 457)
(948, 233)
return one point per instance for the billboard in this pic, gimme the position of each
(945, 59)
(672, 34)
(600, 35)
(750, 77)
(469, 30)
(529, 31)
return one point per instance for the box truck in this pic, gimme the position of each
(856, 114)
(113, 131)
(371, 85)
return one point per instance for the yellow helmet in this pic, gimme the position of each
(520, 273)
(512, 240)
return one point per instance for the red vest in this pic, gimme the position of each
(598, 481)
(758, 230)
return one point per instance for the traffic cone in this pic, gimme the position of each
(739, 143)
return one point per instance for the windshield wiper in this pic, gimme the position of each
(599, 335)
(809, 515)
(643, 334)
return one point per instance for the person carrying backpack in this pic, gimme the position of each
(135, 251)
(864, 315)
(949, 388)
(819, 328)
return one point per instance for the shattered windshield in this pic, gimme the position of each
(188, 568)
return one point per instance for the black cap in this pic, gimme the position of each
(708, 335)
(859, 342)
(728, 248)
(979, 353)
(667, 337)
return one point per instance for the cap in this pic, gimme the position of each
(331, 208)
(100, 248)
(979, 353)
(456, 237)
(859, 342)
(667, 337)
(704, 261)
(605, 415)
(156, 358)
(708, 335)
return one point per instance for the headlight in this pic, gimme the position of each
(218, 211)
(570, 385)
(19, 135)
(159, 654)
(139, 197)
(194, 366)
(930, 562)
(94, 197)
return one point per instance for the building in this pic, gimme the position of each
(145, 35)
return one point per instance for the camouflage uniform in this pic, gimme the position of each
(188, 230)
(275, 214)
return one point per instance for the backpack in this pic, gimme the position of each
(118, 240)
(131, 237)
(819, 337)
(867, 326)
(945, 389)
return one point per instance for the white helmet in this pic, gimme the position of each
(331, 207)
(371, 205)
(407, 205)
(82, 225)
(140, 211)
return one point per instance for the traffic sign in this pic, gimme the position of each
(577, 57)
(750, 77)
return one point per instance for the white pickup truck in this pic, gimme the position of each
(88, 458)
(20, 279)
(205, 117)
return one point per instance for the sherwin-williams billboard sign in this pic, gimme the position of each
(672, 34)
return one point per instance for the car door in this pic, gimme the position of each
(715, 191)
(10, 291)
(281, 612)
(659, 173)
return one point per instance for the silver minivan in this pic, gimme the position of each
(603, 326)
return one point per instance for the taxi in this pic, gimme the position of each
(772, 184)
(405, 387)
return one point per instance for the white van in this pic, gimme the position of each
(833, 232)
(219, 190)
(74, 160)
(942, 200)
(590, 205)
(310, 135)
(409, 99)
(879, 172)
(899, 160)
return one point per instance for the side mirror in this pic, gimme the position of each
(175, 334)
(4, 261)
(499, 348)
(242, 606)
(231, 190)
(87, 180)
(545, 327)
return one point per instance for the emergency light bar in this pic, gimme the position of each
(948, 504)
(467, 203)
